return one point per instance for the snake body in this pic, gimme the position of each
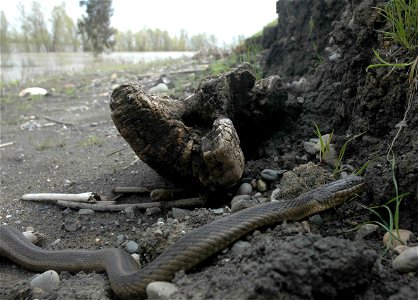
(128, 281)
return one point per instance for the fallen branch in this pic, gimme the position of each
(54, 197)
(57, 121)
(6, 144)
(189, 202)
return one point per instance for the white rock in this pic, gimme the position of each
(310, 147)
(30, 236)
(159, 89)
(239, 247)
(404, 236)
(33, 91)
(407, 261)
(160, 290)
(47, 281)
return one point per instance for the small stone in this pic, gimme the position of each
(179, 213)
(240, 197)
(275, 195)
(365, 231)
(66, 211)
(160, 290)
(85, 211)
(407, 261)
(131, 212)
(239, 247)
(326, 139)
(245, 189)
(30, 237)
(310, 147)
(159, 89)
(152, 211)
(72, 224)
(257, 195)
(47, 281)
(300, 100)
(120, 239)
(404, 236)
(218, 211)
(132, 247)
(316, 220)
(242, 204)
(136, 257)
(330, 157)
(261, 185)
(399, 249)
(269, 175)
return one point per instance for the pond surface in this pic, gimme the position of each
(26, 66)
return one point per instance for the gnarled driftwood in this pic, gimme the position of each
(195, 142)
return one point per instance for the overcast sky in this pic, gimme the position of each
(225, 19)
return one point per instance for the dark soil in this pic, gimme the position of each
(285, 261)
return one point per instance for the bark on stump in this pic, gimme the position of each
(194, 142)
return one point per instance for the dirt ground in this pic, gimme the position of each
(82, 151)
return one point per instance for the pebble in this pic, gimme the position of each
(261, 185)
(85, 211)
(239, 247)
(132, 247)
(399, 249)
(152, 211)
(30, 237)
(316, 220)
(136, 257)
(131, 212)
(275, 195)
(365, 231)
(309, 147)
(244, 189)
(158, 89)
(404, 236)
(242, 204)
(160, 290)
(47, 281)
(179, 213)
(72, 224)
(239, 198)
(120, 239)
(269, 175)
(407, 261)
(218, 211)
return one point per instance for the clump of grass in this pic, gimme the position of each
(403, 18)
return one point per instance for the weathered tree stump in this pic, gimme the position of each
(195, 142)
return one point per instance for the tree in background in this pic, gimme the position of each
(63, 31)
(34, 34)
(96, 25)
(5, 45)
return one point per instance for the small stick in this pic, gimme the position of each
(82, 197)
(57, 121)
(6, 144)
(189, 202)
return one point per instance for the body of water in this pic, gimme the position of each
(26, 66)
